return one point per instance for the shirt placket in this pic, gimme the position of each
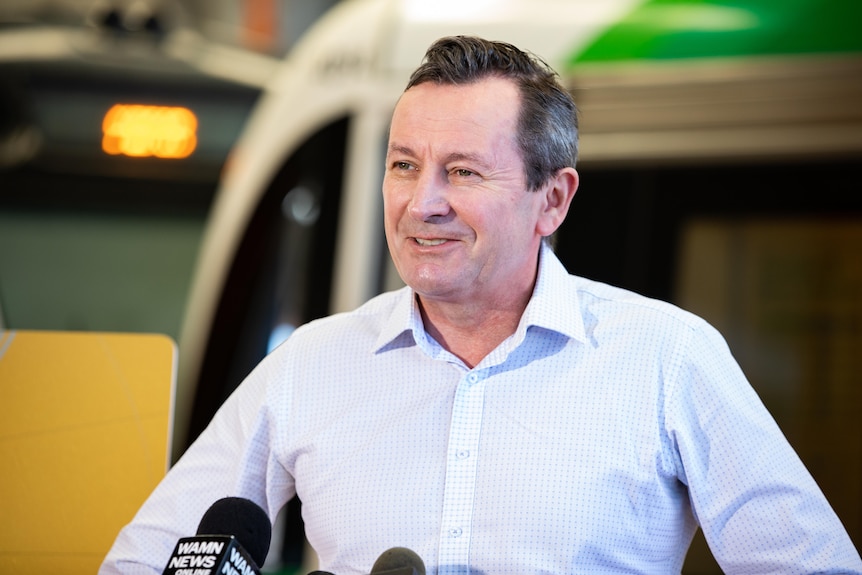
(461, 466)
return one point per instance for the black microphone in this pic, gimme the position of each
(398, 561)
(232, 538)
(395, 561)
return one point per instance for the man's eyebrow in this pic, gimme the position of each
(465, 156)
(397, 148)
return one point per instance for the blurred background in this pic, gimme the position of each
(210, 170)
(92, 241)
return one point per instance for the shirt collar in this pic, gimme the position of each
(403, 321)
(553, 306)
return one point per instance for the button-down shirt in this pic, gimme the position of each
(595, 439)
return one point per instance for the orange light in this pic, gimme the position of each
(140, 131)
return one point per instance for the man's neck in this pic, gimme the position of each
(471, 332)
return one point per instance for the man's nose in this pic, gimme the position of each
(429, 199)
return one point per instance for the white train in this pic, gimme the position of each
(719, 152)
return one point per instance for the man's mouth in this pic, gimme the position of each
(434, 242)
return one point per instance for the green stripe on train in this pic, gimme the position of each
(672, 29)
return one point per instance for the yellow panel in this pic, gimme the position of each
(84, 440)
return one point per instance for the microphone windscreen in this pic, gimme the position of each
(242, 518)
(398, 560)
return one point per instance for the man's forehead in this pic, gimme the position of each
(488, 92)
(472, 107)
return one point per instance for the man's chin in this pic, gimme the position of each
(434, 290)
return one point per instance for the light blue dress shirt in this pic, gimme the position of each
(595, 439)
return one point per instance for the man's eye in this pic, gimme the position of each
(402, 166)
(463, 173)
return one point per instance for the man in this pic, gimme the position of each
(499, 415)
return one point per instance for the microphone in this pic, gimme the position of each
(232, 538)
(395, 561)
(398, 561)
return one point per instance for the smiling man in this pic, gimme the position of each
(499, 415)
(463, 229)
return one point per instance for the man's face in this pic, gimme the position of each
(460, 224)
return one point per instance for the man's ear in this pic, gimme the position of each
(558, 192)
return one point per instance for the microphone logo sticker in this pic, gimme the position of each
(210, 555)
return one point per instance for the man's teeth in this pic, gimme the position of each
(422, 242)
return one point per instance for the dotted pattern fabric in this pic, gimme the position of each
(594, 440)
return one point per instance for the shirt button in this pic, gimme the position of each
(472, 377)
(455, 532)
(463, 454)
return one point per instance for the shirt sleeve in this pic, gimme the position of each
(234, 456)
(757, 504)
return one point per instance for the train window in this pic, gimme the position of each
(281, 274)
